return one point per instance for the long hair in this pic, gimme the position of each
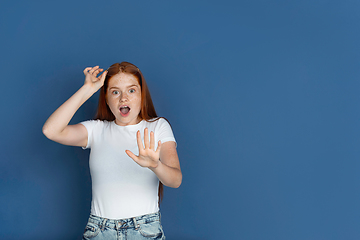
(147, 111)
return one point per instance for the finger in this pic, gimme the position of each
(103, 75)
(146, 138)
(152, 140)
(135, 158)
(97, 71)
(132, 155)
(159, 147)
(139, 142)
(86, 70)
(93, 69)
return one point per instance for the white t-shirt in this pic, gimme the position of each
(120, 187)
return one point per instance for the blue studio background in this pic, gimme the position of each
(263, 98)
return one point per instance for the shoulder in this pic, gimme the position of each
(157, 122)
(90, 124)
(161, 126)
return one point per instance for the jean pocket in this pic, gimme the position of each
(91, 231)
(152, 230)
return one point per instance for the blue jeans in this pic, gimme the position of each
(143, 227)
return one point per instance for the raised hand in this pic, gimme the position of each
(92, 79)
(148, 156)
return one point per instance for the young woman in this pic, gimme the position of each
(133, 152)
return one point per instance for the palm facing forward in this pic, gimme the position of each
(148, 156)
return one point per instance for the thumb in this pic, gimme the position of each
(103, 75)
(130, 154)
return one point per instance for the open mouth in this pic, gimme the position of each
(124, 110)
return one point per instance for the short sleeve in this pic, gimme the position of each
(89, 125)
(165, 133)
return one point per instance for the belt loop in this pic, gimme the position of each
(135, 224)
(103, 224)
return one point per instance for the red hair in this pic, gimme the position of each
(147, 111)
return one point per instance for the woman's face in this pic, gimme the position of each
(124, 98)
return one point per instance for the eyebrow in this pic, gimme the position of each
(133, 85)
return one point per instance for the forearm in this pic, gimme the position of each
(169, 176)
(57, 122)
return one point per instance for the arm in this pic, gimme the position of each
(56, 127)
(164, 162)
(168, 169)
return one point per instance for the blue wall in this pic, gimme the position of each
(263, 98)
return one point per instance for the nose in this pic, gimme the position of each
(123, 97)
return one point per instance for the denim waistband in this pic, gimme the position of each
(124, 223)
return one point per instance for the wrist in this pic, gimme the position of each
(154, 168)
(87, 90)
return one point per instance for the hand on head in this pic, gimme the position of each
(92, 79)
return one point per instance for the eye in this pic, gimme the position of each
(115, 92)
(131, 90)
